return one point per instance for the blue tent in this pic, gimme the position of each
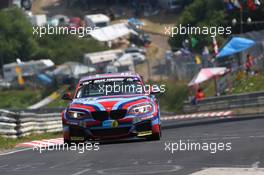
(135, 22)
(44, 79)
(235, 45)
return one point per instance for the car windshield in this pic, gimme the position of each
(129, 50)
(109, 87)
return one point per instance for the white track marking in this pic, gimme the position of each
(16, 151)
(231, 138)
(63, 163)
(20, 167)
(135, 163)
(3, 166)
(231, 171)
(255, 165)
(81, 172)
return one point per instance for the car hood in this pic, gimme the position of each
(109, 103)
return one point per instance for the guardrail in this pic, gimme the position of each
(17, 124)
(21, 122)
(226, 102)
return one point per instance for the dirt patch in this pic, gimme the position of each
(153, 68)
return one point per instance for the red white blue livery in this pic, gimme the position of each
(111, 106)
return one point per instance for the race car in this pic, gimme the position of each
(111, 106)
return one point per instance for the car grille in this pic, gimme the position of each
(110, 132)
(118, 114)
(104, 115)
(100, 115)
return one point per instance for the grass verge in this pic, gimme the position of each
(174, 96)
(19, 98)
(9, 143)
(247, 84)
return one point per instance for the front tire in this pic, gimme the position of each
(155, 136)
(67, 142)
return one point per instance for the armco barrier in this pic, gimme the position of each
(16, 124)
(22, 122)
(226, 102)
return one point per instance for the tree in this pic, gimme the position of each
(213, 13)
(200, 13)
(16, 40)
(61, 48)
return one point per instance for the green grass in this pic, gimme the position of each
(58, 103)
(209, 88)
(177, 92)
(245, 85)
(19, 98)
(173, 98)
(8, 143)
(249, 84)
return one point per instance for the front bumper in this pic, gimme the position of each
(93, 130)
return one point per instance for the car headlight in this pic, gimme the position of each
(142, 109)
(76, 115)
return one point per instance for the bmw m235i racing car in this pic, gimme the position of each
(111, 106)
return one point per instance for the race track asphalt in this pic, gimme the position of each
(150, 157)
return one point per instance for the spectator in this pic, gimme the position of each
(249, 63)
(199, 95)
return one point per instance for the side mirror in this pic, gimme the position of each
(66, 96)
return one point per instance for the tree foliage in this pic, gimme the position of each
(199, 13)
(17, 41)
(212, 13)
(61, 48)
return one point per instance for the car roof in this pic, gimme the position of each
(110, 75)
